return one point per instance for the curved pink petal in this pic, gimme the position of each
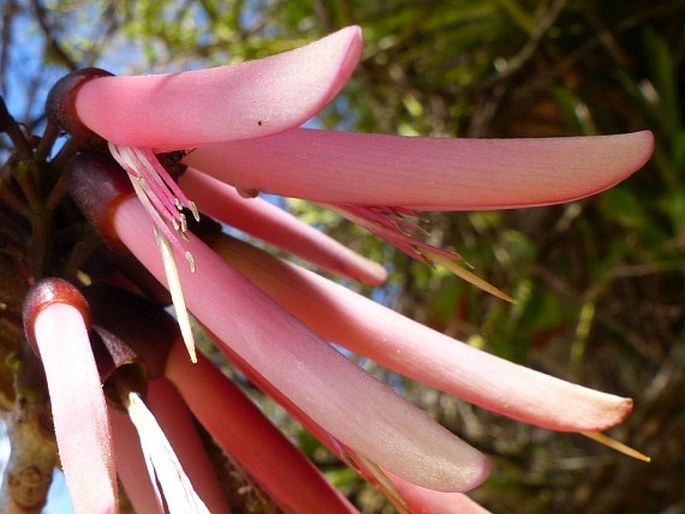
(239, 427)
(174, 417)
(275, 226)
(425, 173)
(426, 501)
(252, 99)
(79, 410)
(416, 351)
(357, 409)
(383, 481)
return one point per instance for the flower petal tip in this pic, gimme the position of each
(633, 149)
(624, 406)
(480, 474)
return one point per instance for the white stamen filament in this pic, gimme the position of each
(158, 192)
(467, 275)
(164, 201)
(174, 283)
(163, 465)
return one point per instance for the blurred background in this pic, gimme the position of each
(600, 283)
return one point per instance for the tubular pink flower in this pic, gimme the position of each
(416, 351)
(252, 99)
(354, 407)
(425, 173)
(404, 494)
(273, 225)
(238, 124)
(57, 322)
(240, 428)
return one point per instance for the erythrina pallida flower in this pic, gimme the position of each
(203, 144)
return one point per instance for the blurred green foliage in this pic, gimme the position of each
(600, 284)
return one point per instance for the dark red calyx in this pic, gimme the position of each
(45, 293)
(60, 107)
(120, 368)
(143, 325)
(98, 185)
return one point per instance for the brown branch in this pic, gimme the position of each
(33, 457)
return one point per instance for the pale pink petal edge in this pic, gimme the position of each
(426, 173)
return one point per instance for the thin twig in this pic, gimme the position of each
(53, 44)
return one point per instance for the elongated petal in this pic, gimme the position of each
(174, 417)
(416, 351)
(78, 405)
(273, 225)
(426, 173)
(131, 467)
(357, 409)
(162, 462)
(256, 98)
(239, 427)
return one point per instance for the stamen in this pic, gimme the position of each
(384, 485)
(617, 445)
(174, 281)
(391, 224)
(467, 275)
(193, 209)
(164, 201)
(158, 192)
(191, 261)
(151, 183)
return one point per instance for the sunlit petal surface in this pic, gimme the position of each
(370, 329)
(354, 407)
(252, 99)
(239, 427)
(425, 173)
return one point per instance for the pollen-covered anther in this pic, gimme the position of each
(191, 261)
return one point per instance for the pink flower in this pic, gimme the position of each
(55, 313)
(238, 129)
